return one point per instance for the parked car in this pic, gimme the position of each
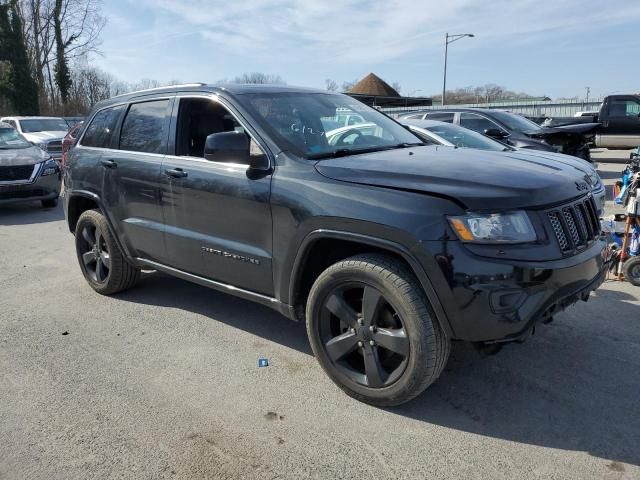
(44, 132)
(447, 134)
(69, 140)
(388, 249)
(27, 173)
(617, 122)
(516, 130)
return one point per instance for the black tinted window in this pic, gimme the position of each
(100, 130)
(145, 127)
(441, 117)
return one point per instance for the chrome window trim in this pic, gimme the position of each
(84, 130)
(210, 96)
(31, 179)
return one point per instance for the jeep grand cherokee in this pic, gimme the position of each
(387, 248)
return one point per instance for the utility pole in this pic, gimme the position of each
(447, 40)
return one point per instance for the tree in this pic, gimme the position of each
(346, 86)
(396, 86)
(259, 78)
(331, 85)
(17, 82)
(62, 74)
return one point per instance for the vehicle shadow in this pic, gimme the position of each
(236, 312)
(573, 386)
(29, 213)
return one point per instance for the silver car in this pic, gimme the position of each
(27, 173)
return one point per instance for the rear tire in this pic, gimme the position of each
(631, 271)
(371, 328)
(102, 263)
(50, 203)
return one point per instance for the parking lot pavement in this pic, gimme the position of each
(162, 382)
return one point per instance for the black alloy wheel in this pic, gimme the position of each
(94, 252)
(364, 336)
(372, 330)
(103, 264)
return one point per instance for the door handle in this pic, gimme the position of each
(108, 163)
(175, 173)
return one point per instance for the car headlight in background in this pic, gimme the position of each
(510, 227)
(50, 167)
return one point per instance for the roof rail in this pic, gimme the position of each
(184, 85)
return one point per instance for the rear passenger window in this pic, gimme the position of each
(100, 131)
(441, 117)
(145, 127)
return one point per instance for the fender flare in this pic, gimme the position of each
(405, 253)
(98, 201)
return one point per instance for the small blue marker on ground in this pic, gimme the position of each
(263, 362)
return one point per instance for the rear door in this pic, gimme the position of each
(133, 179)
(218, 220)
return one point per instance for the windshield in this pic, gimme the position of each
(312, 125)
(516, 122)
(43, 125)
(465, 138)
(10, 138)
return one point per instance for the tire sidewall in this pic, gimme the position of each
(96, 219)
(421, 351)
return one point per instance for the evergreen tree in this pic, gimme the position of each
(16, 82)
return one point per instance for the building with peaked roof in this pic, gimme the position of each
(375, 92)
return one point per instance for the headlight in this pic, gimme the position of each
(50, 167)
(41, 146)
(596, 181)
(511, 227)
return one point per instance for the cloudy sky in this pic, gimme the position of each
(543, 47)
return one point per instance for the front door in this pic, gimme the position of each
(217, 220)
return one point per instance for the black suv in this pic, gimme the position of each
(388, 249)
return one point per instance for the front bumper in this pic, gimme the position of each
(486, 300)
(41, 188)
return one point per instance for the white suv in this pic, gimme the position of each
(44, 132)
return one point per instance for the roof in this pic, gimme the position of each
(373, 85)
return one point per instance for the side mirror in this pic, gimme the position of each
(230, 147)
(495, 133)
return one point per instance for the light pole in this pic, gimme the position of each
(447, 40)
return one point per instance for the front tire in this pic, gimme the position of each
(371, 328)
(102, 263)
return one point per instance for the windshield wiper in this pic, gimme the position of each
(343, 152)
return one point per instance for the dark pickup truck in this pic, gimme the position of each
(387, 248)
(618, 122)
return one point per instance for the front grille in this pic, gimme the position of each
(16, 173)
(7, 195)
(575, 226)
(54, 147)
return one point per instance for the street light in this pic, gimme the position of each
(447, 40)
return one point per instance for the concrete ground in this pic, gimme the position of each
(162, 382)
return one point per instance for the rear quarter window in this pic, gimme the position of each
(100, 131)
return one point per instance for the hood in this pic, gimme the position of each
(480, 179)
(582, 128)
(22, 156)
(41, 137)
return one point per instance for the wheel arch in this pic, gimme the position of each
(335, 245)
(80, 201)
